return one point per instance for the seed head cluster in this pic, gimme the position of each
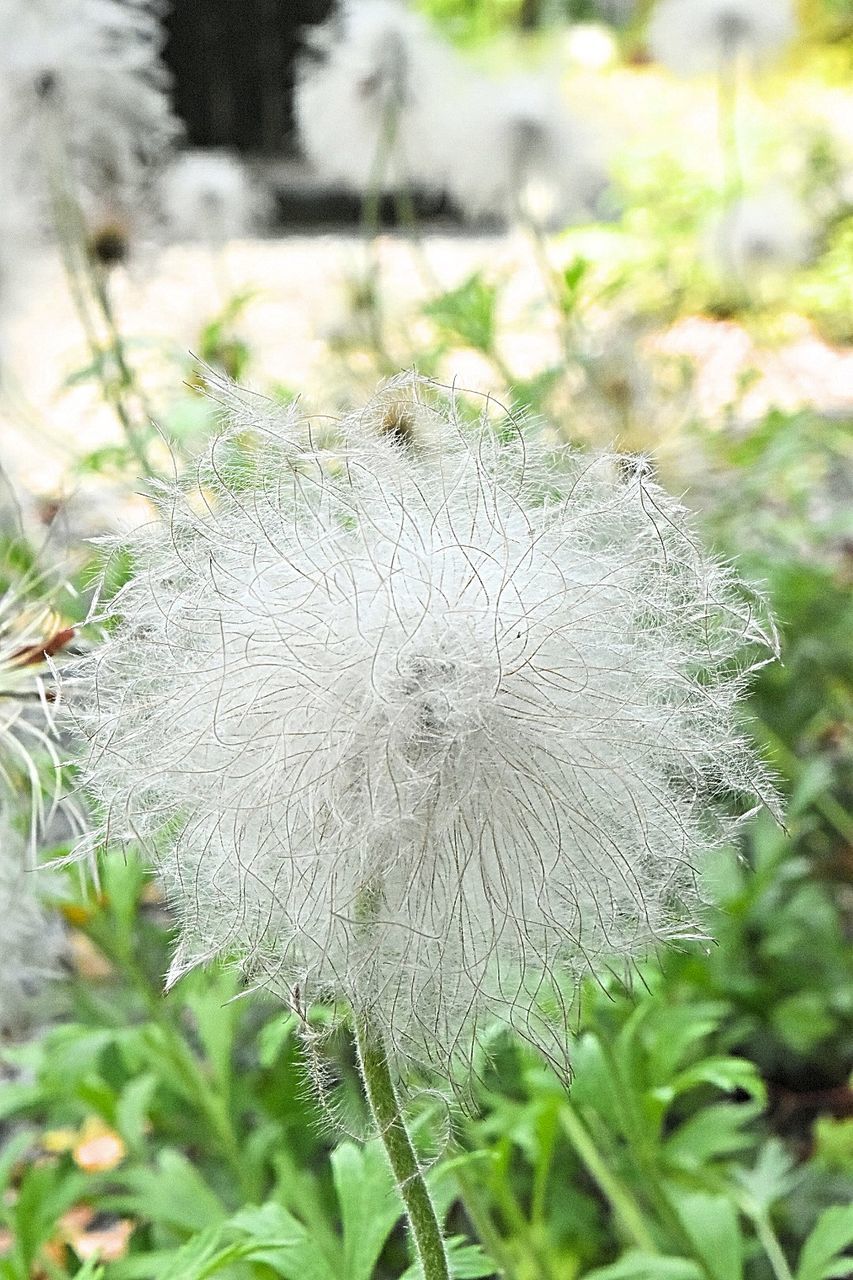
(383, 104)
(413, 711)
(208, 196)
(520, 155)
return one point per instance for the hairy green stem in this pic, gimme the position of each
(384, 1104)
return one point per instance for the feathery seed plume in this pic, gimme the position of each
(763, 233)
(83, 93)
(32, 634)
(413, 712)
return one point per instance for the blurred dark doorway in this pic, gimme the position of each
(233, 62)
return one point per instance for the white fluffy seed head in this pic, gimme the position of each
(32, 938)
(519, 154)
(694, 36)
(83, 96)
(763, 234)
(367, 97)
(208, 195)
(412, 713)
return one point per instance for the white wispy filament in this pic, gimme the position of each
(417, 714)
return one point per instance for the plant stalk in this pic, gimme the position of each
(622, 1203)
(772, 1248)
(384, 1104)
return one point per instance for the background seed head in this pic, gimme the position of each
(694, 36)
(83, 94)
(369, 95)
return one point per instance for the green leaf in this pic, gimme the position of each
(109, 458)
(190, 418)
(713, 1132)
(573, 277)
(131, 1112)
(173, 1194)
(273, 1037)
(90, 1270)
(769, 1180)
(18, 1097)
(216, 1013)
(712, 1224)
(370, 1205)
(673, 1033)
(647, 1266)
(826, 1252)
(206, 1255)
(728, 1074)
(285, 1244)
(802, 1020)
(593, 1085)
(467, 314)
(199, 1257)
(45, 1192)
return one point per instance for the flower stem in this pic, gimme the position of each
(481, 1220)
(87, 287)
(772, 1248)
(620, 1200)
(727, 106)
(385, 1109)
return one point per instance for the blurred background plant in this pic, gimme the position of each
(517, 196)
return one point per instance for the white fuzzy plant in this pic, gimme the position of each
(209, 196)
(421, 716)
(766, 234)
(727, 38)
(85, 117)
(83, 88)
(32, 634)
(695, 36)
(368, 95)
(520, 155)
(32, 938)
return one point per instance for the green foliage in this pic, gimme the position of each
(704, 1134)
(467, 315)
